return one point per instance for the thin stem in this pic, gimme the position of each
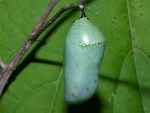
(63, 9)
(59, 12)
(43, 17)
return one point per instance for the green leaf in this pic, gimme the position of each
(36, 86)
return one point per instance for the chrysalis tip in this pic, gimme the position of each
(82, 11)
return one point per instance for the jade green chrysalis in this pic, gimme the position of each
(84, 48)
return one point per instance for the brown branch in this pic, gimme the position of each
(42, 24)
(33, 34)
(44, 17)
(63, 9)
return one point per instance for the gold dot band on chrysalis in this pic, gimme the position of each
(91, 43)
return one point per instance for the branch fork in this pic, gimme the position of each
(2, 64)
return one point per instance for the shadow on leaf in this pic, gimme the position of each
(91, 106)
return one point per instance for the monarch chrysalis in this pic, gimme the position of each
(84, 48)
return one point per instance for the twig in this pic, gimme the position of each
(2, 65)
(42, 24)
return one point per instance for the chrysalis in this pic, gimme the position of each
(84, 48)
